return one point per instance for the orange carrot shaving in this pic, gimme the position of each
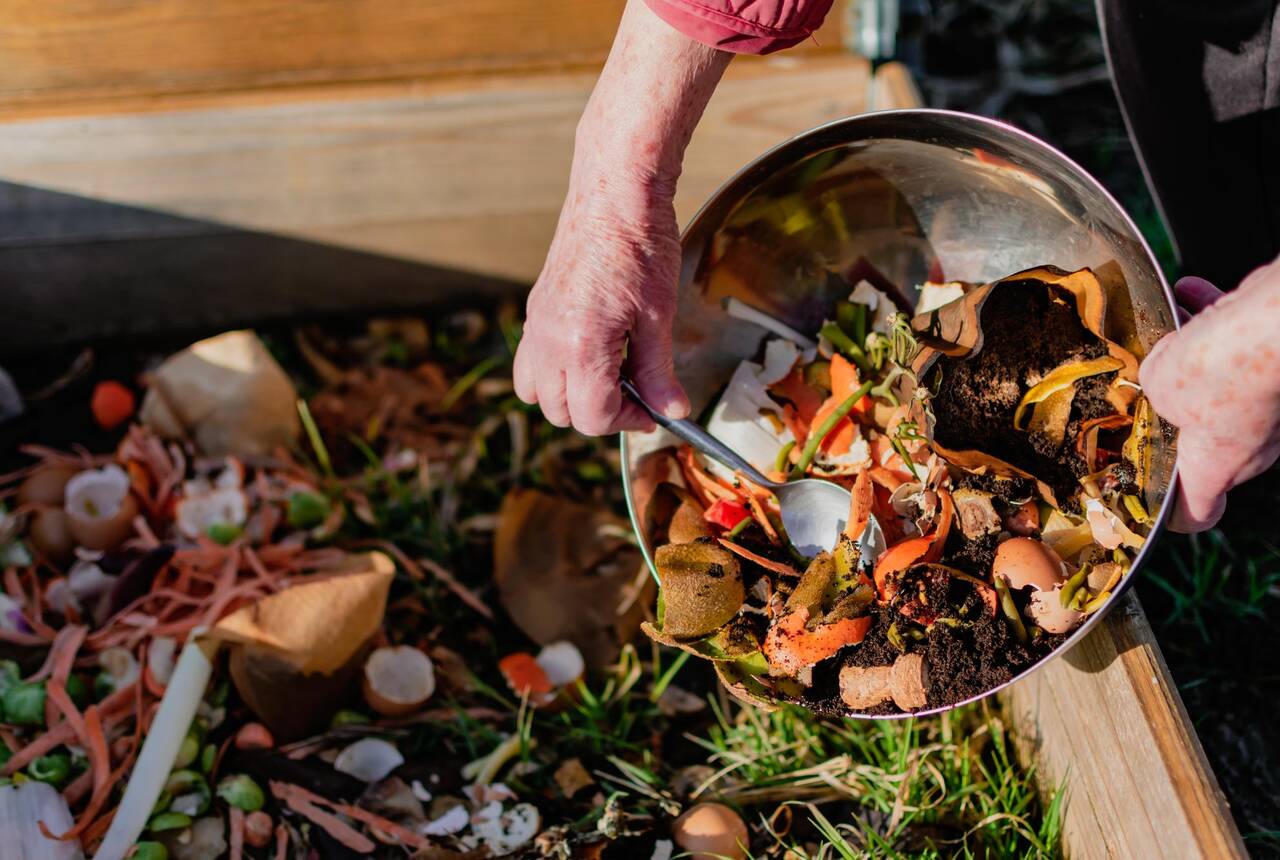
(946, 514)
(805, 399)
(895, 559)
(863, 497)
(236, 822)
(768, 564)
(404, 835)
(298, 799)
(700, 482)
(282, 842)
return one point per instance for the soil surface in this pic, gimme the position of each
(1030, 330)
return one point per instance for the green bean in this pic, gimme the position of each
(1010, 609)
(780, 461)
(815, 438)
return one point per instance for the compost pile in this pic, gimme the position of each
(1000, 440)
(249, 596)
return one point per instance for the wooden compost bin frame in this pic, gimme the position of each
(428, 144)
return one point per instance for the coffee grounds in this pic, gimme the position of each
(1033, 328)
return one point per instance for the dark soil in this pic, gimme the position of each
(967, 651)
(1031, 330)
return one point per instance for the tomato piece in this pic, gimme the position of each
(726, 514)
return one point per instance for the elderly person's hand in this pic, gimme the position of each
(1218, 380)
(606, 295)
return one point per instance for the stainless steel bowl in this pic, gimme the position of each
(914, 194)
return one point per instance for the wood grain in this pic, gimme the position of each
(84, 55)
(460, 176)
(1106, 722)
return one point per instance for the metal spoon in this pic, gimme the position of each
(814, 512)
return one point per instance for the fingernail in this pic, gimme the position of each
(675, 405)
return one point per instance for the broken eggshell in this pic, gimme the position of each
(398, 680)
(368, 759)
(711, 831)
(1046, 610)
(196, 514)
(1024, 561)
(100, 508)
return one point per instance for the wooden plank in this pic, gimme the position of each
(1106, 721)
(467, 177)
(85, 55)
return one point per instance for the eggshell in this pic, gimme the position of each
(104, 533)
(711, 831)
(46, 485)
(1024, 561)
(1046, 610)
(50, 535)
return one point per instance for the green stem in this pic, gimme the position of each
(815, 438)
(841, 341)
(739, 528)
(1010, 609)
(780, 462)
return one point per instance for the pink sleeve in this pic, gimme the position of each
(744, 26)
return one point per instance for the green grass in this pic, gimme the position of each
(1206, 581)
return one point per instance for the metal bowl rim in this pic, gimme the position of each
(928, 114)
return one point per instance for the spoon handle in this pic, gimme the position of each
(695, 435)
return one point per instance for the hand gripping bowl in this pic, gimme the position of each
(915, 195)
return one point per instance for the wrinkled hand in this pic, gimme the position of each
(1218, 380)
(607, 289)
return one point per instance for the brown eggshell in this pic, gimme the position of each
(909, 682)
(50, 535)
(104, 534)
(711, 831)
(864, 687)
(1024, 561)
(46, 485)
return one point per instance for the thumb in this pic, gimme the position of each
(1195, 294)
(652, 367)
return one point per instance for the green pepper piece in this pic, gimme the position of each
(307, 510)
(841, 341)
(24, 704)
(78, 691)
(188, 751)
(149, 851)
(191, 794)
(208, 757)
(223, 534)
(168, 821)
(53, 768)
(241, 791)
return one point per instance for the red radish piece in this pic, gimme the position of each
(112, 404)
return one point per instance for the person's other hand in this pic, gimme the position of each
(607, 292)
(1218, 380)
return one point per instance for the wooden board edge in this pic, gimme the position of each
(1119, 667)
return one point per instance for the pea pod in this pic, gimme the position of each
(168, 821)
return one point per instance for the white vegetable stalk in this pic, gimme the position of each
(739, 309)
(169, 728)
